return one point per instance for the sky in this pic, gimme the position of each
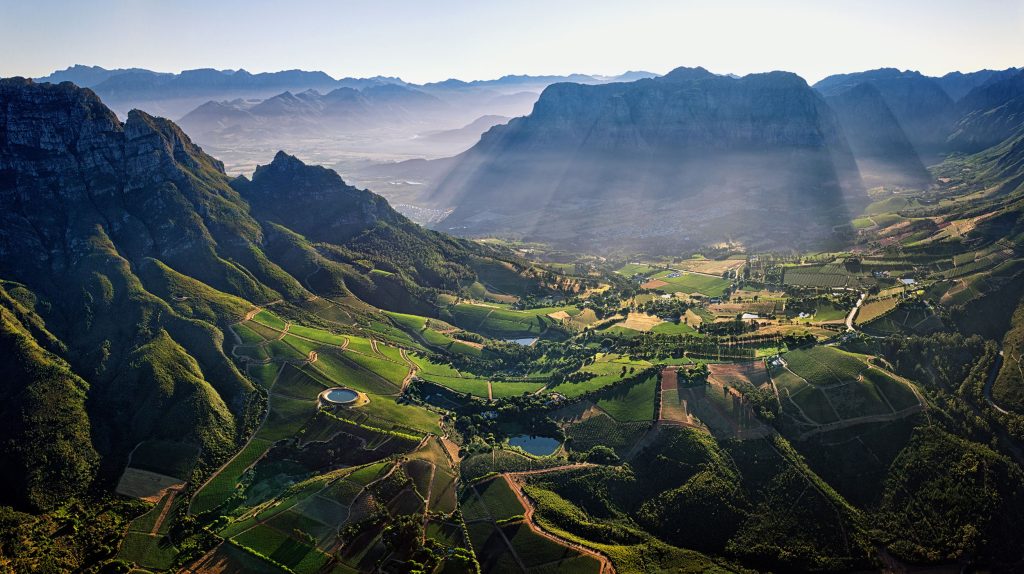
(431, 40)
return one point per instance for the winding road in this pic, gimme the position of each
(512, 478)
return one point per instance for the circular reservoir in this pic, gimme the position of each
(340, 396)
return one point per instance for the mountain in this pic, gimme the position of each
(89, 76)
(99, 218)
(989, 114)
(958, 84)
(310, 113)
(126, 251)
(175, 94)
(924, 110)
(725, 154)
(884, 154)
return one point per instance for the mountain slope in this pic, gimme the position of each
(990, 114)
(959, 84)
(86, 203)
(924, 110)
(591, 158)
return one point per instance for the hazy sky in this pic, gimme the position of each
(427, 40)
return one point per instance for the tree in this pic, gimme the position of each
(601, 454)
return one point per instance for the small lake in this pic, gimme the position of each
(526, 342)
(341, 396)
(535, 445)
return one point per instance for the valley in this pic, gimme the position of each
(688, 323)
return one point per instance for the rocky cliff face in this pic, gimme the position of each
(719, 151)
(883, 152)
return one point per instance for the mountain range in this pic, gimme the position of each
(125, 251)
(698, 143)
(174, 95)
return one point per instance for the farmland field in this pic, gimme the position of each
(222, 485)
(707, 285)
(825, 365)
(268, 319)
(495, 321)
(830, 276)
(670, 328)
(608, 370)
(281, 548)
(825, 385)
(631, 269)
(724, 410)
(630, 403)
(602, 429)
(875, 308)
(317, 335)
(498, 498)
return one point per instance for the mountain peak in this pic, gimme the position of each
(683, 73)
(285, 161)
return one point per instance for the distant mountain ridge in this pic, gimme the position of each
(176, 94)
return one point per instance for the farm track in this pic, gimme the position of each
(412, 370)
(512, 480)
(895, 416)
(172, 493)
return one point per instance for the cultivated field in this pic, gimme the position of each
(824, 388)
